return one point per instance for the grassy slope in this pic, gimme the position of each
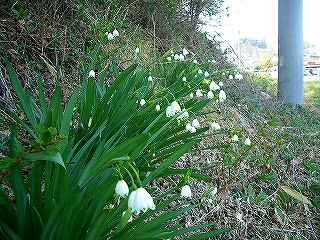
(285, 149)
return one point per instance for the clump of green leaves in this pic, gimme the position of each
(60, 185)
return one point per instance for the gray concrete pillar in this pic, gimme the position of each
(291, 52)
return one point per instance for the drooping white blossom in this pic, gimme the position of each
(142, 102)
(200, 71)
(169, 59)
(186, 191)
(238, 76)
(215, 126)
(195, 123)
(191, 95)
(170, 111)
(235, 138)
(181, 57)
(92, 74)
(222, 96)
(137, 50)
(213, 86)
(140, 200)
(115, 33)
(199, 93)
(195, 61)
(210, 94)
(230, 77)
(176, 107)
(185, 51)
(221, 84)
(176, 57)
(122, 188)
(110, 36)
(184, 114)
(150, 79)
(247, 141)
(184, 79)
(206, 74)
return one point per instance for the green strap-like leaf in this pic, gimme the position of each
(50, 156)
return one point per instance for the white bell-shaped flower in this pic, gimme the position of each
(122, 188)
(215, 126)
(210, 94)
(200, 71)
(169, 59)
(188, 127)
(221, 84)
(186, 191)
(230, 77)
(247, 141)
(150, 78)
(213, 86)
(184, 79)
(110, 36)
(185, 51)
(222, 96)
(181, 57)
(238, 76)
(115, 33)
(184, 114)
(176, 107)
(170, 111)
(140, 200)
(235, 138)
(195, 123)
(142, 102)
(92, 74)
(137, 50)
(176, 57)
(191, 95)
(199, 93)
(158, 107)
(195, 61)
(206, 74)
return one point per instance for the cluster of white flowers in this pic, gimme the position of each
(112, 35)
(215, 126)
(184, 114)
(210, 95)
(139, 200)
(173, 109)
(235, 138)
(193, 126)
(213, 86)
(92, 74)
(238, 76)
(199, 93)
(222, 96)
(247, 141)
(179, 57)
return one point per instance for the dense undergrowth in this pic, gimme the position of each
(109, 94)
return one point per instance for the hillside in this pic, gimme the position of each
(105, 92)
